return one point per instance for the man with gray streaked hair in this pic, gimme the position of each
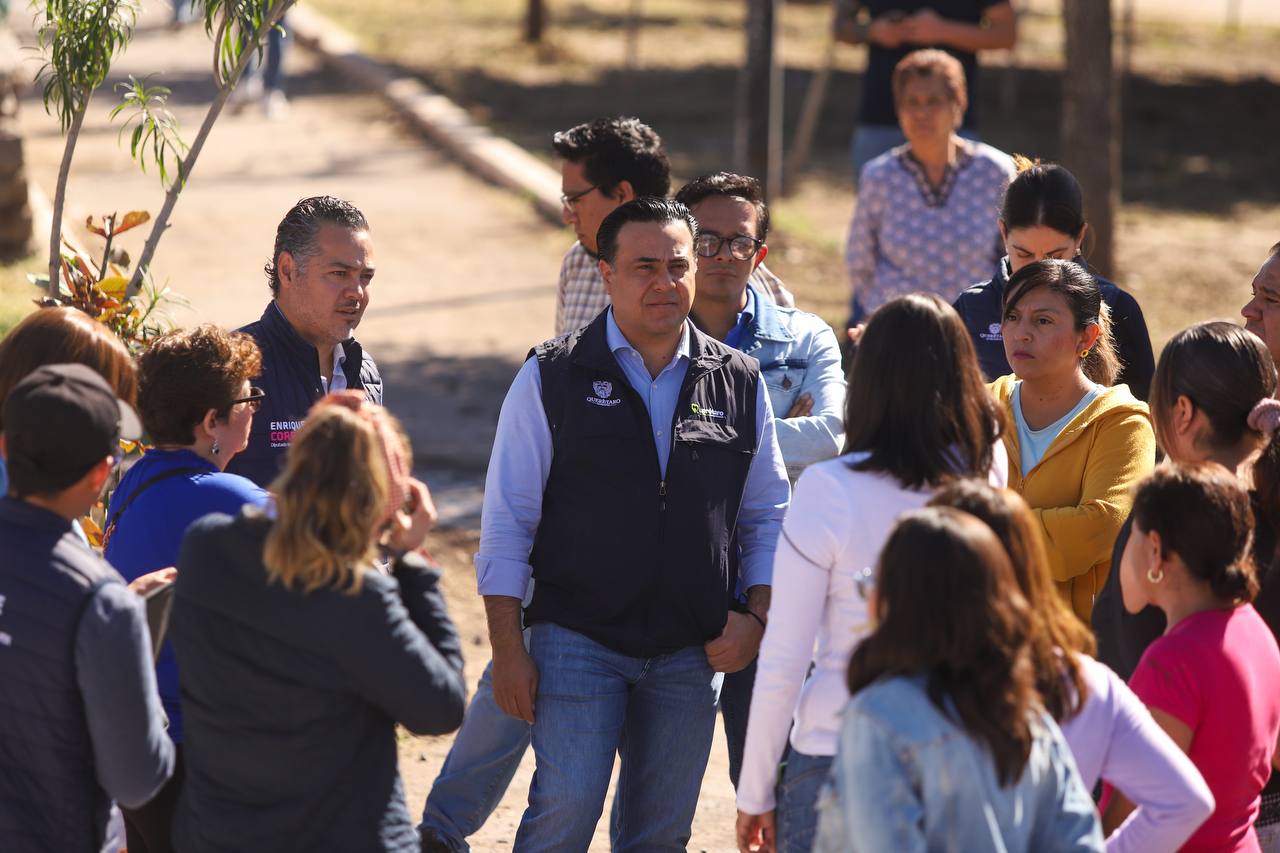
(319, 274)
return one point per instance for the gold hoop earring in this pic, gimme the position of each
(1084, 353)
(1153, 576)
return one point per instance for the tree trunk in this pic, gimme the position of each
(759, 132)
(535, 21)
(1091, 121)
(60, 198)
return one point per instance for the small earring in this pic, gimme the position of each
(1153, 576)
(1084, 353)
(216, 448)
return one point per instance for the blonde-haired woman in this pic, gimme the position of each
(298, 656)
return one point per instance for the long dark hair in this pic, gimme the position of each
(1055, 632)
(948, 607)
(917, 403)
(1080, 289)
(1224, 371)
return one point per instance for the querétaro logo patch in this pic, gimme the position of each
(992, 333)
(604, 391)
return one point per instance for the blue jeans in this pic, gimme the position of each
(735, 706)
(488, 749)
(797, 796)
(480, 766)
(657, 713)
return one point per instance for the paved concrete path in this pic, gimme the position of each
(466, 272)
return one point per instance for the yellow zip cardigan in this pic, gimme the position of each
(1082, 489)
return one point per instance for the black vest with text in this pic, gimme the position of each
(641, 563)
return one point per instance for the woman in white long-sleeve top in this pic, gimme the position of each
(1111, 734)
(917, 416)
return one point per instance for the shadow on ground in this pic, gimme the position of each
(449, 406)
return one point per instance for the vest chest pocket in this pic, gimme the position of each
(711, 436)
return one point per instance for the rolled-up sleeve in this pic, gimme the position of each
(518, 470)
(764, 499)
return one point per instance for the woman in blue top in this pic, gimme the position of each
(197, 406)
(945, 744)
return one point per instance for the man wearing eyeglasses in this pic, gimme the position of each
(799, 360)
(320, 273)
(605, 163)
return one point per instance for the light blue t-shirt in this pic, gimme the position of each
(1032, 443)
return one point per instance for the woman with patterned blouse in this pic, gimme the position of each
(926, 213)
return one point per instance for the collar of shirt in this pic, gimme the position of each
(661, 394)
(745, 316)
(337, 377)
(619, 344)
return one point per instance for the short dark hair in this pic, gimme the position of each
(1080, 289)
(658, 210)
(612, 150)
(933, 417)
(1043, 194)
(296, 233)
(1275, 250)
(185, 373)
(731, 186)
(1202, 514)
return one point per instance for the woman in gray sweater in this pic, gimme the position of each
(298, 655)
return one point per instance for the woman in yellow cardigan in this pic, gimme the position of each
(1078, 445)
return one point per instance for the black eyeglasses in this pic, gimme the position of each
(255, 398)
(571, 200)
(742, 247)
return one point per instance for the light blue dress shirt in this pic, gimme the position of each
(521, 462)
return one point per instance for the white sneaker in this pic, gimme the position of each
(275, 105)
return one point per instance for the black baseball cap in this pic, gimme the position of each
(60, 421)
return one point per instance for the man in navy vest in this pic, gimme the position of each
(636, 477)
(319, 274)
(80, 721)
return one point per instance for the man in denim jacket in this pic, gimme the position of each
(798, 354)
(797, 351)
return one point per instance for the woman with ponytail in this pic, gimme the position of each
(1211, 680)
(1042, 217)
(1212, 401)
(1079, 444)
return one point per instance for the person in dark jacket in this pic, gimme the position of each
(297, 657)
(1043, 217)
(636, 477)
(80, 721)
(319, 274)
(197, 405)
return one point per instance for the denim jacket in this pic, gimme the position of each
(907, 778)
(798, 352)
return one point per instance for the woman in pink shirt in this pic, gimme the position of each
(1212, 681)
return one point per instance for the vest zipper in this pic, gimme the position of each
(662, 495)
